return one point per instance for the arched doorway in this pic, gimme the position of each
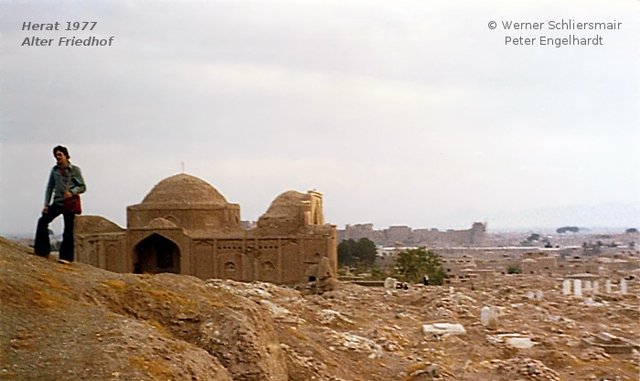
(156, 254)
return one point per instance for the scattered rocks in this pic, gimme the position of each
(176, 327)
(348, 341)
(518, 367)
(594, 354)
(329, 316)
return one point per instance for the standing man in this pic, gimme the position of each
(65, 182)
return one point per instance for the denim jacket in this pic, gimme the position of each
(69, 180)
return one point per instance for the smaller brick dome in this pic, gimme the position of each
(287, 204)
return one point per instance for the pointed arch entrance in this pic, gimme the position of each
(156, 254)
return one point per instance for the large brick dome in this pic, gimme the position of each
(184, 189)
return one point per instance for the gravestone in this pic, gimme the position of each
(577, 287)
(489, 317)
(623, 286)
(390, 283)
(607, 286)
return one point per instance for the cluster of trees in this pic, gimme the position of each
(360, 253)
(575, 229)
(535, 237)
(413, 264)
(564, 229)
(595, 248)
(592, 248)
(409, 266)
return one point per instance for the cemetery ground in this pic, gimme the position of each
(72, 322)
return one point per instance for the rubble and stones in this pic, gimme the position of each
(175, 327)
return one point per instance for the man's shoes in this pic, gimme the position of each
(64, 261)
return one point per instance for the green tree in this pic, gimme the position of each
(513, 269)
(413, 264)
(380, 273)
(564, 229)
(346, 251)
(366, 252)
(533, 237)
(361, 253)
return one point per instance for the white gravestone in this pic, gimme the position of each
(577, 287)
(489, 317)
(623, 286)
(566, 287)
(390, 283)
(607, 286)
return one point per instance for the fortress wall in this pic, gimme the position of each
(419, 237)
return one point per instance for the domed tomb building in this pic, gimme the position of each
(185, 226)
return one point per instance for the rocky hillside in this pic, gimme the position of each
(76, 322)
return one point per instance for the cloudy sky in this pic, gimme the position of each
(400, 112)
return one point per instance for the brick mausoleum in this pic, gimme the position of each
(185, 226)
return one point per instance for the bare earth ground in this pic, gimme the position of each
(76, 322)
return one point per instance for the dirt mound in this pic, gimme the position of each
(72, 322)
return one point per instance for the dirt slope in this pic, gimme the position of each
(73, 322)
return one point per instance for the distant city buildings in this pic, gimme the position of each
(406, 236)
(475, 257)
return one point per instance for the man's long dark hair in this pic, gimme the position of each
(62, 149)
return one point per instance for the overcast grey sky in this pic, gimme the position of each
(400, 112)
